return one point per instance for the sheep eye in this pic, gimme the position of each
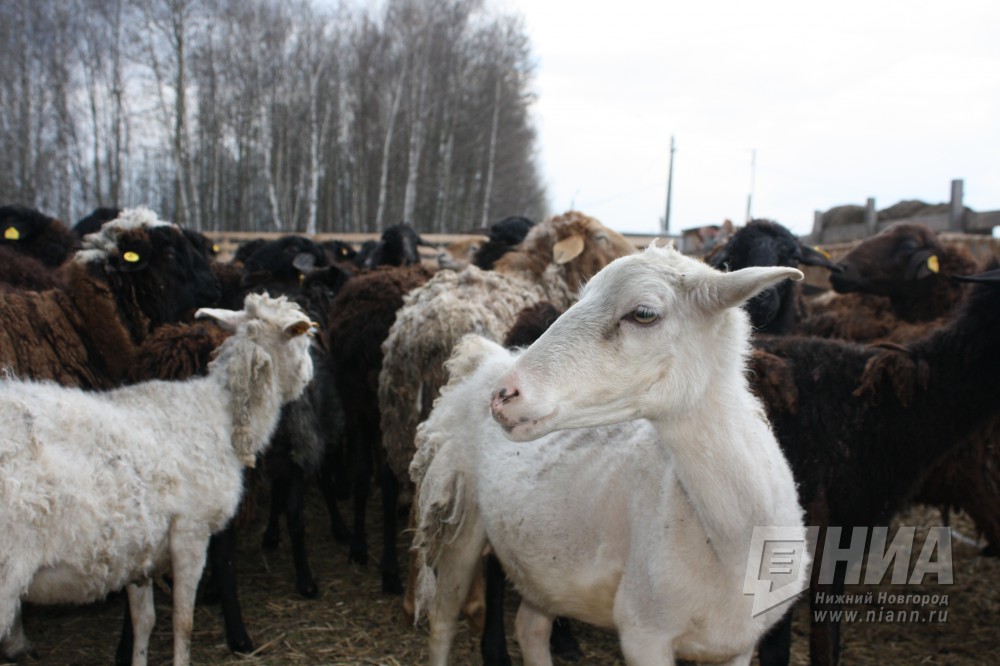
(643, 315)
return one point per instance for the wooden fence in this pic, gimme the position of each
(957, 219)
(228, 241)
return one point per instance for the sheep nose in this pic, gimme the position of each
(501, 398)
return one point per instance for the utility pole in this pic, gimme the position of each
(670, 186)
(753, 178)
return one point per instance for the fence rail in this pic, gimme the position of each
(957, 219)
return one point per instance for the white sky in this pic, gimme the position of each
(890, 99)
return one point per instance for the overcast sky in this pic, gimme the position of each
(890, 99)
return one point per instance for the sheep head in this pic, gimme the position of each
(767, 243)
(890, 262)
(649, 336)
(576, 244)
(35, 234)
(156, 271)
(267, 364)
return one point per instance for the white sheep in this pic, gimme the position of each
(644, 526)
(100, 491)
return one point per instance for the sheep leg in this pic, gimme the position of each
(824, 636)
(562, 642)
(643, 646)
(280, 488)
(188, 547)
(493, 646)
(391, 582)
(295, 517)
(358, 551)
(143, 615)
(776, 646)
(332, 484)
(222, 556)
(456, 567)
(123, 653)
(15, 644)
(534, 628)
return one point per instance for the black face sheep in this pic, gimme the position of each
(885, 418)
(896, 286)
(765, 243)
(398, 246)
(312, 426)
(503, 236)
(103, 490)
(36, 235)
(339, 252)
(286, 259)
(893, 284)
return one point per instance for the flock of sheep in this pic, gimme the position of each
(659, 451)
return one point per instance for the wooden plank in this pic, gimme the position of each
(984, 221)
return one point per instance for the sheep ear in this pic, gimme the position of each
(923, 265)
(228, 319)
(733, 289)
(298, 328)
(254, 370)
(567, 249)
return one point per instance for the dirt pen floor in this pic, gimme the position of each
(352, 623)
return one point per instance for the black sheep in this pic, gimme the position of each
(360, 318)
(34, 234)
(766, 243)
(893, 285)
(882, 419)
(396, 247)
(503, 237)
(311, 426)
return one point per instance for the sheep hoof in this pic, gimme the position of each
(240, 644)
(391, 584)
(308, 589)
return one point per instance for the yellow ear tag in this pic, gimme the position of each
(11, 233)
(933, 264)
(215, 248)
(823, 252)
(130, 257)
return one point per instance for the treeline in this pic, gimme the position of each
(269, 115)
